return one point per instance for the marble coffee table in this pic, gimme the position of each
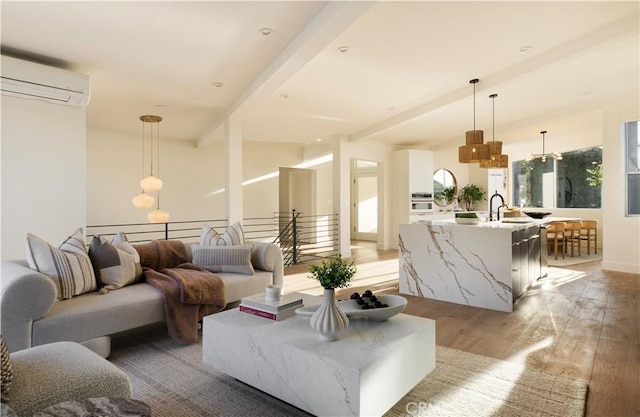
(365, 372)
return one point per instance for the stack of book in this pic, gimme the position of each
(276, 310)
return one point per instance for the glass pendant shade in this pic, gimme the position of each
(143, 200)
(158, 216)
(151, 184)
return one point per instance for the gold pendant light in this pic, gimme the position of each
(151, 183)
(474, 149)
(543, 156)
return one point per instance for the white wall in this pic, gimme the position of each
(43, 172)
(621, 234)
(194, 179)
(262, 161)
(191, 179)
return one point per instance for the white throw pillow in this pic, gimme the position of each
(234, 236)
(235, 259)
(68, 265)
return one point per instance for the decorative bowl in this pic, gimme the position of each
(351, 308)
(536, 214)
(468, 220)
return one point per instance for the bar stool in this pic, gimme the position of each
(555, 236)
(589, 233)
(572, 236)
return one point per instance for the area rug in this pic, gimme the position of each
(574, 260)
(172, 379)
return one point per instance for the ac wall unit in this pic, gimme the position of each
(29, 80)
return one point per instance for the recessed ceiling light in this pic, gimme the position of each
(265, 31)
(284, 95)
(343, 49)
(218, 84)
(318, 139)
(525, 48)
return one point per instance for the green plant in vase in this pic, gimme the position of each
(448, 194)
(329, 320)
(469, 195)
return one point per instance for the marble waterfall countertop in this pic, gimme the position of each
(469, 264)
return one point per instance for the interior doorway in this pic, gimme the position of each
(297, 191)
(364, 198)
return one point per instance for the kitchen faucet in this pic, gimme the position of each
(491, 206)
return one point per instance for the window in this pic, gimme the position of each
(579, 179)
(574, 181)
(632, 147)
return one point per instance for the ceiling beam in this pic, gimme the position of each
(599, 38)
(324, 28)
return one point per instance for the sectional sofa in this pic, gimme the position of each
(32, 314)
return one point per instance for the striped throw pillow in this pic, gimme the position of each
(68, 265)
(235, 259)
(234, 236)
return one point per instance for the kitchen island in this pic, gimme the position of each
(487, 265)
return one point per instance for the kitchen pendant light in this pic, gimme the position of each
(543, 156)
(496, 158)
(474, 149)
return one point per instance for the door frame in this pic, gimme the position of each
(357, 173)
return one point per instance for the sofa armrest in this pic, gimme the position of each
(26, 296)
(268, 257)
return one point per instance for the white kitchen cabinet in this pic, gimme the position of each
(420, 171)
(412, 172)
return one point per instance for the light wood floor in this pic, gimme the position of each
(579, 321)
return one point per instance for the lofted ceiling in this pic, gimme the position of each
(404, 79)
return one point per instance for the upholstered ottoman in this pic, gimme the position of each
(53, 373)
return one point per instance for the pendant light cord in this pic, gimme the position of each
(474, 82)
(493, 102)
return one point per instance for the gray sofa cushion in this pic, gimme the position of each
(93, 315)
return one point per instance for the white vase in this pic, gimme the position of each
(328, 320)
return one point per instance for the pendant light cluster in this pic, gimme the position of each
(151, 183)
(474, 150)
(543, 156)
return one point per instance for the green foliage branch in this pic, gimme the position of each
(335, 272)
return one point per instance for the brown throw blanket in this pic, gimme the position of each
(190, 292)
